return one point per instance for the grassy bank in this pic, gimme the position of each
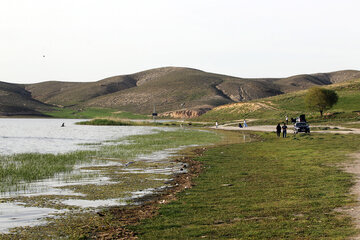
(117, 122)
(106, 122)
(270, 189)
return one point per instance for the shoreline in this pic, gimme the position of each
(132, 214)
(172, 183)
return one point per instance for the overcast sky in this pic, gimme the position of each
(87, 40)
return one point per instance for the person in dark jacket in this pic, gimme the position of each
(278, 130)
(284, 127)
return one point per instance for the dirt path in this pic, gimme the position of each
(271, 128)
(354, 211)
(338, 129)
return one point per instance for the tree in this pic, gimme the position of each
(320, 99)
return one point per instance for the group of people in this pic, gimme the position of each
(245, 124)
(284, 130)
(279, 128)
(283, 127)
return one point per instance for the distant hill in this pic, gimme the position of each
(15, 100)
(273, 109)
(175, 91)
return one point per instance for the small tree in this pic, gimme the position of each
(320, 99)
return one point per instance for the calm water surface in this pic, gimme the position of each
(47, 135)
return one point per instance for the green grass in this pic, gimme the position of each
(271, 188)
(93, 113)
(105, 122)
(15, 169)
(348, 101)
(27, 167)
(116, 122)
(353, 125)
(145, 144)
(280, 189)
(292, 104)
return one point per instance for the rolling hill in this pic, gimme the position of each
(273, 109)
(15, 100)
(175, 91)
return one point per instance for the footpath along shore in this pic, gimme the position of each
(271, 128)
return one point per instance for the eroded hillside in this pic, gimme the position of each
(15, 100)
(175, 91)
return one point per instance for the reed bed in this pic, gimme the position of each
(28, 167)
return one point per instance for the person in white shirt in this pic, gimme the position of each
(245, 124)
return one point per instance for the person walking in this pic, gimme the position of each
(278, 130)
(284, 127)
(216, 124)
(287, 119)
(245, 124)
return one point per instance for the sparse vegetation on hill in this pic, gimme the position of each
(87, 113)
(274, 109)
(178, 92)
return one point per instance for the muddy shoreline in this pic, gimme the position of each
(123, 216)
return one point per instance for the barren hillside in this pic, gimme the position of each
(15, 100)
(173, 90)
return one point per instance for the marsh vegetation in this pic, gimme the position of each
(113, 172)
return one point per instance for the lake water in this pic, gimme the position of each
(47, 135)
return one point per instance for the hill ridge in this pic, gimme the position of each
(169, 88)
